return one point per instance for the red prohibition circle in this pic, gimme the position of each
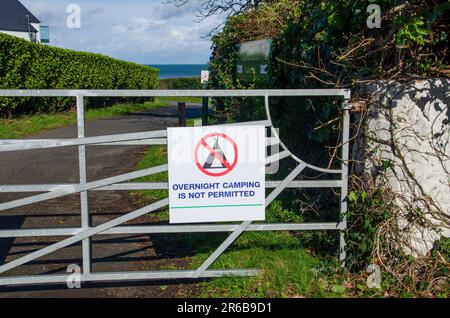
(202, 142)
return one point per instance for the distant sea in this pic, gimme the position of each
(179, 70)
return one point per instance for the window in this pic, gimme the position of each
(45, 34)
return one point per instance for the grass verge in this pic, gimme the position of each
(288, 270)
(27, 125)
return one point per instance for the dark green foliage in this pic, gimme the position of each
(334, 46)
(26, 65)
(323, 44)
(327, 44)
(365, 213)
(180, 83)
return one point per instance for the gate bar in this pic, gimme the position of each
(126, 276)
(157, 186)
(80, 188)
(164, 229)
(345, 93)
(19, 144)
(344, 177)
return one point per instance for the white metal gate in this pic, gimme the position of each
(85, 231)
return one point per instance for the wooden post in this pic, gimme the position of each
(205, 102)
(181, 114)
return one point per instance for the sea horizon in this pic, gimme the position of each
(167, 71)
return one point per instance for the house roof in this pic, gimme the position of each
(13, 17)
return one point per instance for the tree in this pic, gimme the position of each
(209, 8)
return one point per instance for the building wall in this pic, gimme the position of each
(22, 35)
(37, 26)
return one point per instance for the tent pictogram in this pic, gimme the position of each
(216, 163)
(213, 158)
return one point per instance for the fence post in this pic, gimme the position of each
(181, 114)
(85, 222)
(205, 102)
(344, 176)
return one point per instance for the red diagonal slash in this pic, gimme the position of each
(202, 143)
(215, 154)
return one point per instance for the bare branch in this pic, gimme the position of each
(208, 8)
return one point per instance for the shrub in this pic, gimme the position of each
(327, 44)
(180, 83)
(26, 65)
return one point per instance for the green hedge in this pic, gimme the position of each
(26, 65)
(180, 83)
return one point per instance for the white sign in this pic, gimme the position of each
(263, 69)
(204, 77)
(216, 174)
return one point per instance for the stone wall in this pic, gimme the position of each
(405, 144)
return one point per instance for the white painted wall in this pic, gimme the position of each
(37, 26)
(415, 115)
(25, 35)
(22, 35)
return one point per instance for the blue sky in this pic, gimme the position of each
(142, 31)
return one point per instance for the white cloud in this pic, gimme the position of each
(144, 31)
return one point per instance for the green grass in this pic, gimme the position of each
(287, 269)
(122, 109)
(27, 125)
(155, 156)
(180, 83)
